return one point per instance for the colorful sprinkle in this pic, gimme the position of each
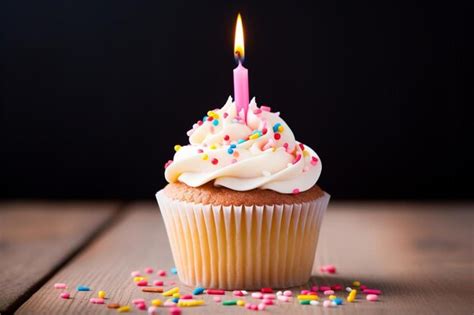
(214, 161)
(372, 297)
(101, 294)
(175, 311)
(352, 295)
(277, 136)
(372, 291)
(168, 163)
(215, 292)
(226, 137)
(229, 302)
(82, 288)
(170, 292)
(276, 126)
(314, 160)
(296, 191)
(328, 268)
(156, 302)
(177, 147)
(215, 122)
(60, 286)
(158, 283)
(123, 309)
(204, 156)
(65, 295)
(230, 151)
(198, 291)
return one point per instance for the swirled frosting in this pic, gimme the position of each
(260, 153)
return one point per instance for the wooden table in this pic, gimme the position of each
(419, 254)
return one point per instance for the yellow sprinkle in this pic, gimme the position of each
(213, 114)
(213, 146)
(356, 283)
(305, 153)
(176, 295)
(156, 302)
(280, 128)
(170, 292)
(303, 297)
(254, 136)
(240, 303)
(137, 279)
(101, 294)
(332, 297)
(186, 303)
(124, 309)
(352, 295)
(177, 147)
(204, 156)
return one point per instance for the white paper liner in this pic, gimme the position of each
(243, 247)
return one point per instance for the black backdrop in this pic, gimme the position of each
(95, 94)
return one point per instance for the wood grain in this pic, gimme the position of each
(420, 255)
(36, 238)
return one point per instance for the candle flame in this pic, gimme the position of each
(239, 49)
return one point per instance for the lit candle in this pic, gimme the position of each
(241, 75)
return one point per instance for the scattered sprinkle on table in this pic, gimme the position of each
(82, 288)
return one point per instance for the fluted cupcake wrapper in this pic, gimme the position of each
(243, 247)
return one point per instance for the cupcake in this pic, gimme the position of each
(242, 209)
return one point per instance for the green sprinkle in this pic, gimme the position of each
(305, 302)
(230, 302)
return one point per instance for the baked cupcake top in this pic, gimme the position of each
(259, 153)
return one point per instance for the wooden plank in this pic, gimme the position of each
(420, 255)
(37, 237)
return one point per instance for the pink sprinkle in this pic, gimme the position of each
(285, 145)
(96, 301)
(158, 283)
(138, 301)
(171, 283)
(161, 273)
(324, 288)
(137, 273)
(225, 115)
(148, 270)
(314, 160)
(372, 297)
(283, 298)
(296, 191)
(304, 291)
(327, 303)
(301, 146)
(363, 287)
(200, 150)
(257, 295)
(312, 293)
(217, 299)
(152, 310)
(261, 307)
(60, 286)
(264, 131)
(268, 302)
(141, 306)
(237, 293)
(287, 293)
(328, 268)
(253, 307)
(233, 161)
(297, 159)
(247, 306)
(199, 122)
(64, 295)
(328, 292)
(315, 288)
(215, 291)
(187, 297)
(269, 296)
(257, 111)
(226, 137)
(142, 283)
(168, 163)
(175, 311)
(372, 291)
(169, 303)
(337, 287)
(266, 108)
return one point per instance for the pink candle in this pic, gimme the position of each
(241, 75)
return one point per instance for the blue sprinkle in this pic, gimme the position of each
(204, 118)
(83, 288)
(174, 271)
(230, 151)
(175, 300)
(275, 127)
(198, 291)
(233, 146)
(215, 122)
(240, 141)
(338, 301)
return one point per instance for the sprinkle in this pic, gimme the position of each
(261, 307)
(332, 297)
(314, 160)
(168, 163)
(169, 303)
(204, 156)
(315, 288)
(266, 108)
(82, 288)
(305, 302)
(233, 146)
(267, 302)
(136, 279)
(175, 300)
(153, 290)
(240, 141)
(215, 291)
(257, 111)
(230, 151)
(372, 291)
(327, 303)
(372, 297)
(313, 302)
(142, 283)
(257, 295)
(287, 293)
(240, 303)
(269, 296)
(348, 289)
(138, 301)
(60, 286)
(266, 290)
(225, 115)
(229, 302)
(277, 136)
(187, 297)
(328, 292)
(213, 146)
(324, 288)
(124, 309)
(189, 303)
(280, 129)
(210, 118)
(152, 310)
(170, 292)
(136, 273)
(328, 268)
(237, 293)
(226, 137)
(65, 295)
(363, 287)
(245, 292)
(199, 122)
(307, 297)
(113, 305)
(305, 153)
(156, 302)
(337, 287)
(175, 311)
(236, 154)
(337, 301)
(214, 161)
(96, 300)
(352, 295)
(297, 159)
(177, 147)
(101, 294)
(158, 283)
(217, 299)
(301, 146)
(304, 291)
(215, 122)
(283, 298)
(254, 136)
(276, 126)
(198, 290)
(264, 131)
(356, 283)
(296, 191)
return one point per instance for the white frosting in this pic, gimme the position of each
(264, 162)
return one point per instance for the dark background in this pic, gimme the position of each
(95, 94)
